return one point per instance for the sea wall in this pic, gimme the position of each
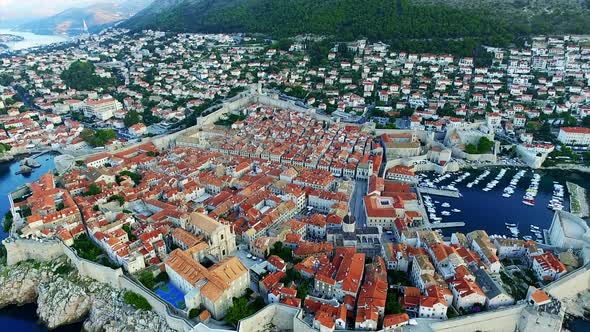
(502, 320)
(86, 268)
(47, 250)
(274, 317)
(475, 157)
(571, 284)
(24, 249)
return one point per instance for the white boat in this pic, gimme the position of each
(514, 231)
(456, 210)
(509, 224)
(446, 213)
(534, 227)
(445, 204)
(436, 218)
(506, 195)
(527, 237)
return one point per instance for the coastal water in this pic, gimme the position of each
(9, 181)
(31, 39)
(23, 318)
(490, 210)
(578, 325)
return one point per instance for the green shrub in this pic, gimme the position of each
(136, 300)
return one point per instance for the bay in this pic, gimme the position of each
(31, 39)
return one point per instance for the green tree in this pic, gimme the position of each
(392, 305)
(484, 145)
(131, 118)
(130, 235)
(136, 177)
(239, 310)
(117, 198)
(471, 149)
(86, 249)
(81, 75)
(4, 148)
(136, 300)
(283, 252)
(7, 222)
(99, 137)
(93, 189)
(6, 80)
(147, 279)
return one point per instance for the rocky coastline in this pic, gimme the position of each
(63, 297)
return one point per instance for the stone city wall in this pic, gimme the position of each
(502, 320)
(474, 157)
(274, 317)
(25, 249)
(571, 284)
(86, 268)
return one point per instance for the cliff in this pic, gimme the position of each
(63, 297)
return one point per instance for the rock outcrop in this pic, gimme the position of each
(19, 286)
(61, 302)
(63, 298)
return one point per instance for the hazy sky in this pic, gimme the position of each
(19, 9)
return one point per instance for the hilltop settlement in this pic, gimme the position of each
(231, 182)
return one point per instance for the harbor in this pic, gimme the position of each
(10, 180)
(505, 201)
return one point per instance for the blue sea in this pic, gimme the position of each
(24, 319)
(490, 210)
(9, 181)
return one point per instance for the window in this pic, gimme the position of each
(222, 236)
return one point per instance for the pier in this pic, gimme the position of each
(447, 224)
(439, 192)
(578, 200)
(439, 225)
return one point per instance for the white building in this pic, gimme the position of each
(574, 135)
(102, 109)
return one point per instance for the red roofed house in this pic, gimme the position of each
(574, 135)
(98, 160)
(390, 322)
(547, 267)
(466, 293)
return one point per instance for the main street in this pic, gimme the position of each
(357, 208)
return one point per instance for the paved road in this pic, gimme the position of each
(357, 208)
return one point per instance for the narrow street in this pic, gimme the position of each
(357, 208)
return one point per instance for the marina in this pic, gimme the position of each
(501, 209)
(10, 180)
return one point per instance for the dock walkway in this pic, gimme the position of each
(439, 192)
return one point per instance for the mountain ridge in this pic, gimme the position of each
(495, 22)
(97, 17)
